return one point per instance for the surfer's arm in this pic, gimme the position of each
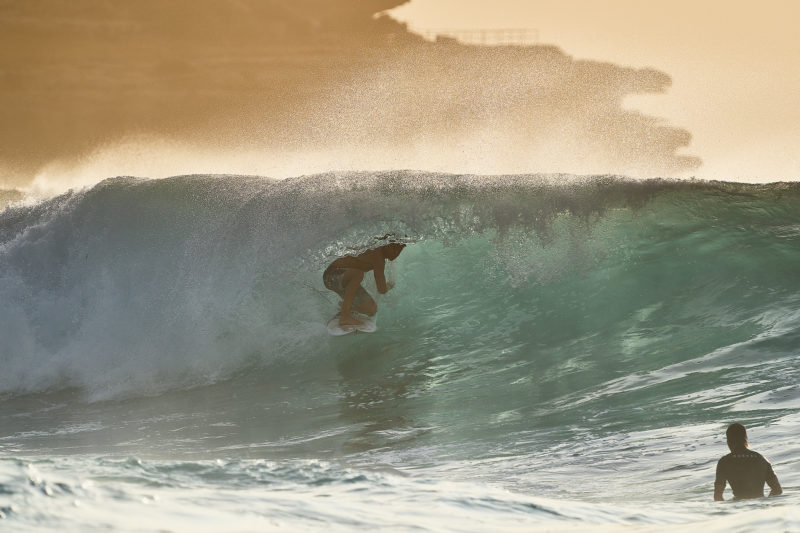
(772, 480)
(380, 278)
(719, 484)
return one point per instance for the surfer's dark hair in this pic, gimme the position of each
(736, 435)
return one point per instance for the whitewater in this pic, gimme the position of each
(558, 353)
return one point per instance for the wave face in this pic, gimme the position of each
(526, 301)
(557, 352)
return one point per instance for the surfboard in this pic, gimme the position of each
(336, 330)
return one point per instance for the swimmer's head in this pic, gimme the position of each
(737, 436)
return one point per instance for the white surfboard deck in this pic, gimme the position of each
(336, 330)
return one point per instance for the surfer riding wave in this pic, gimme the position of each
(345, 274)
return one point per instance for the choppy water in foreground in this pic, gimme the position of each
(557, 353)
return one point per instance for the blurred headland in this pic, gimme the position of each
(292, 86)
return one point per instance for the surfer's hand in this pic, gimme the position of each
(389, 286)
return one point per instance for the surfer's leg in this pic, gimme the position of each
(352, 282)
(363, 302)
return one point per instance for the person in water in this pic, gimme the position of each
(744, 469)
(344, 277)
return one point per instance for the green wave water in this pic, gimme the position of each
(579, 342)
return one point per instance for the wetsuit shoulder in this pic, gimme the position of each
(725, 459)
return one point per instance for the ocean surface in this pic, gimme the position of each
(559, 353)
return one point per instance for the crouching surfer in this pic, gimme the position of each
(344, 277)
(744, 469)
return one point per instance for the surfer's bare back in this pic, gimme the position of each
(344, 277)
(746, 471)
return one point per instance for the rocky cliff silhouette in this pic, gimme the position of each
(77, 75)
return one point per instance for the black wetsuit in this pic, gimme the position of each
(746, 471)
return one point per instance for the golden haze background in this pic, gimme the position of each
(734, 65)
(91, 89)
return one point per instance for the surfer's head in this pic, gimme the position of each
(391, 251)
(737, 436)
